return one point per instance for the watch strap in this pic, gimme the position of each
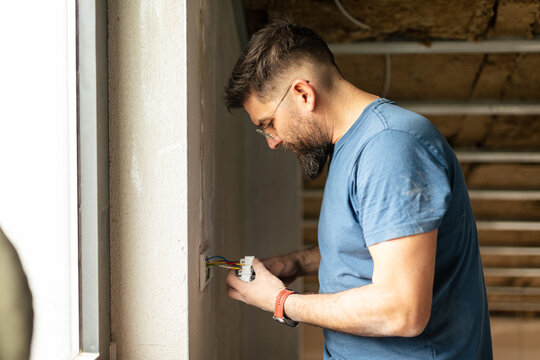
(279, 313)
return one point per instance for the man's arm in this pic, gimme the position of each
(292, 265)
(396, 303)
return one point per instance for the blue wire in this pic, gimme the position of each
(221, 257)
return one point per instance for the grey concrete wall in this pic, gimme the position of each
(243, 185)
(148, 179)
(187, 176)
(216, 178)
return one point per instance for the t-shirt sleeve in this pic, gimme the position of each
(400, 188)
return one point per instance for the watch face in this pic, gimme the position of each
(290, 322)
(286, 321)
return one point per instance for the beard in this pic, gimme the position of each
(312, 147)
(313, 158)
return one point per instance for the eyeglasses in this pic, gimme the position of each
(262, 129)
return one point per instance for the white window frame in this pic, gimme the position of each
(93, 139)
(40, 161)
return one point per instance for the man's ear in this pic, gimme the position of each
(304, 93)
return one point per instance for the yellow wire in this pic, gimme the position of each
(218, 263)
(223, 262)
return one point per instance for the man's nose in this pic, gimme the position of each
(274, 143)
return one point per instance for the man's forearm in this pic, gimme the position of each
(364, 311)
(309, 260)
(396, 303)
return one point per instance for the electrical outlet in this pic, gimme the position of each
(246, 272)
(205, 272)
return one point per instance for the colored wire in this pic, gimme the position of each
(225, 260)
(217, 256)
(228, 267)
(223, 265)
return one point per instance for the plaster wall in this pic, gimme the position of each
(215, 174)
(181, 174)
(148, 179)
(242, 186)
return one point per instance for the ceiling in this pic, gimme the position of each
(420, 77)
(404, 19)
(451, 77)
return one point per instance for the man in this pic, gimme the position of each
(398, 257)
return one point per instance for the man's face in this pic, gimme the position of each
(293, 130)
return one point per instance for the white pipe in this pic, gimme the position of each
(510, 250)
(498, 157)
(516, 195)
(512, 195)
(437, 47)
(509, 225)
(482, 225)
(472, 108)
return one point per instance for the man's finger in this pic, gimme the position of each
(258, 265)
(234, 294)
(277, 267)
(234, 281)
(231, 278)
(260, 269)
(268, 261)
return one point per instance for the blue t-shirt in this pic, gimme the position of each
(392, 175)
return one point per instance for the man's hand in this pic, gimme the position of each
(261, 292)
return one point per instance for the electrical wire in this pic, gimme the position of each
(387, 61)
(225, 260)
(350, 17)
(217, 256)
(226, 264)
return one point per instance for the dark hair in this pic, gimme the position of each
(270, 52)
